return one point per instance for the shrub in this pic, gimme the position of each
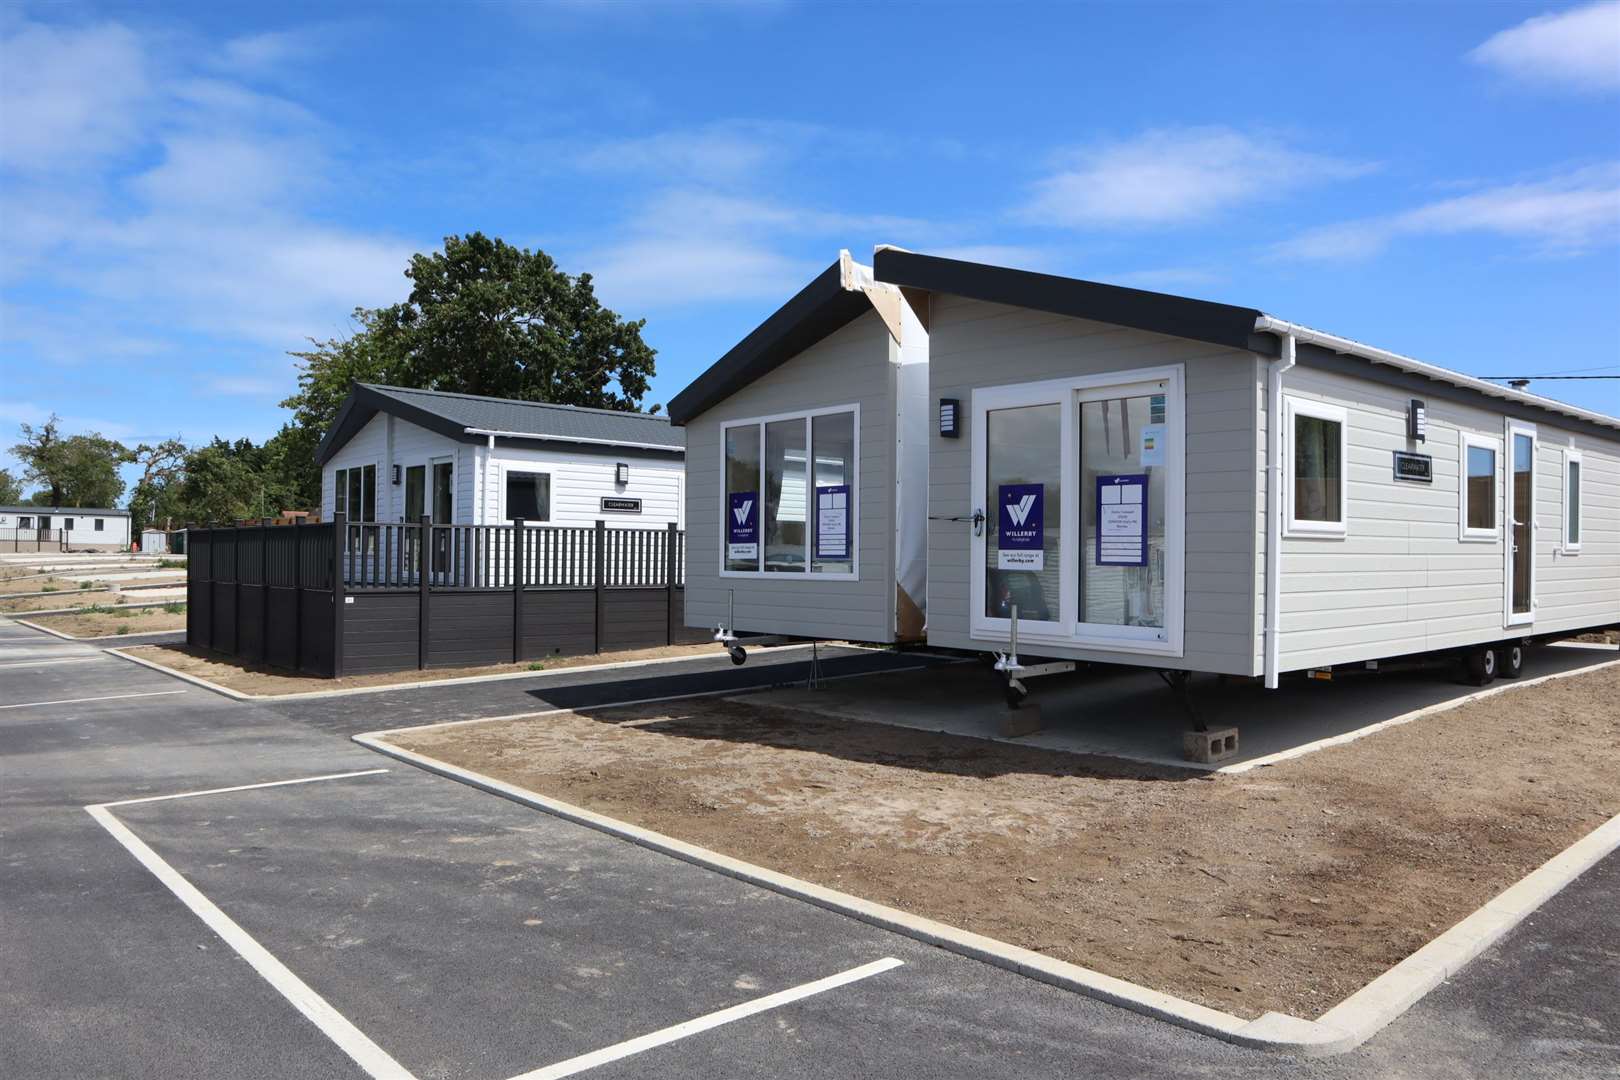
(84, 585)
(175, 608)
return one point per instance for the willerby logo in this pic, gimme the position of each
(1020, 512)
(741, 512)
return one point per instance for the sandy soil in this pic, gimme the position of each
(257, 679)
(64, 599)
(26, 583)
(108, 623)
(1287, 888)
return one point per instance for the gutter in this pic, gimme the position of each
(1265, 324)
(493, 434)
(1274, 486)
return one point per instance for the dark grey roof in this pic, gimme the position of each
(815, 311)
(452, 414)
(65, 511)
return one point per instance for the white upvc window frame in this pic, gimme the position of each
(546, 469)
(1321, 410)
(1512, 427)
(1068, 631)
(1574, 457)
(808, 574)
(1466, 439)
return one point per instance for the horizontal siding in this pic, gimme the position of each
(1401, 580)
(974, 344)
(852, 365)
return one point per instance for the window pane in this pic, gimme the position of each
(528, 496)
(1573, 535)
(442, 501)
(368, 502)
(340, 492)
(1317, 470)
(1524, 448)
(785, 495)
(742, 509)
(1481, 487)
(415, 495)
(832, 440)
(355, 506)
(100, 525)
(1024, 508)
(1122, 516)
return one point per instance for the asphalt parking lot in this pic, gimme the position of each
(465, 936)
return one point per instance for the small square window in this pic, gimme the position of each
(101, 525)
(528, 496)
(1478, 497)
(1317, 468)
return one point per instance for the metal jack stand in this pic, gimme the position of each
(725, 637)
(1015, 673)
(1178, 682)
(814, 681)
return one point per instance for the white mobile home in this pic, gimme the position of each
(73, 527)
(1160, 481)
(397, 454)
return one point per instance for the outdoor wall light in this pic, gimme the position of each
(396, 475)
(621, 473)
(948, 410)
(1417, 421)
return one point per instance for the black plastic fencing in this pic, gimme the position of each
(350, 598)
(34, 539)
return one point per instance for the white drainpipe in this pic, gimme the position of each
(1274, 491)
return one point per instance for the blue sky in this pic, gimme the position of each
(189, 191)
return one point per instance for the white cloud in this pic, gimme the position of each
(70, 95)
(220, 235)
(1578, 49)
(701, 246)
(1176, 176)
(1565, 215)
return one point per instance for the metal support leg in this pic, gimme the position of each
(814, 681)
(1179, 683)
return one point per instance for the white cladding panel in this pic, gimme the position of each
(579, 479)
(853, 365)
(1402, 579)
(973, 344)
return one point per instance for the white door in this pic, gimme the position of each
(1079, 495)
(1519, 579)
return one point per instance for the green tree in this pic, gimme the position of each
(483, 317)
(81, 470)
(10, 489)
(161, 465)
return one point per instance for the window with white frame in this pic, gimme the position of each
(1572, 500)
(528, 496)
(1318, 454)
(101, 525)
(790, 486)
(1478, 458)
(355, 493)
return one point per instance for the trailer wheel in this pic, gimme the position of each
(1480, 666)
(738, 656)
(1510, 660)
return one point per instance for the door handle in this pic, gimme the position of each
(978, 522)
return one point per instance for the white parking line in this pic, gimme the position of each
(244, 787)
(705, 1023)
(81, 700)
(42, 663)
(333, 1024)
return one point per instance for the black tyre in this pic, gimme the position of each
(1480, 666)
(738, 656)
(1510, 660)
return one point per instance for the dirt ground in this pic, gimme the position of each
(258, 679)
(64, 599)
(31, 582)
(109, 623)
(1287, 888)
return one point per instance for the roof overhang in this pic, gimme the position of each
(363, 403)
(1159, 313)
(820, 308)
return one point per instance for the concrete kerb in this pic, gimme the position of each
(1342, 1028)
(460, 680)
(89, 640)
(113, 608)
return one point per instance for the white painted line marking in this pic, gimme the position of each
(245, 787)
(81, 700)
(350, 1039)
(43, 663)
(705, 1023)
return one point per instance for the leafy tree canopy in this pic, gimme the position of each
(10, 489)
(80, 470)
(483, 317)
